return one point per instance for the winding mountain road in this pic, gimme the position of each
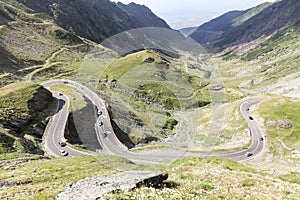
(110, 143)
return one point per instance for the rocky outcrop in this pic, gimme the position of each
(281, 124)
(149, 60)
(25, 117)
(37, 110)
(94, 188)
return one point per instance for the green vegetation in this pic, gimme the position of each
(212, 178)
(24, 107)
(293, 177)
(248, 183)
(229, 56)
(158, 94)
(124, 64)
(276, 43)
(46, 178)
(148, 86)
(264, 66)
(14, 98)
(149, 148)
(204, 186)
(76, 98)
(189, 178)
(36, 47)
(252, 12)
(170, 124)
(286, 110)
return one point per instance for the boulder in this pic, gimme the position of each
(94, 188)
(149, 60)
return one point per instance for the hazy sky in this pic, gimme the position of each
(185, 13)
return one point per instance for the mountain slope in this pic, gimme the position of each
(188, 31)
(28, 39)
(213, 29)
(143, 15)
(52, 28)
(24, 111)
(95, 19)
(272, 19)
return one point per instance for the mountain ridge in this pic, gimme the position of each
(95, 20)
(267, 22)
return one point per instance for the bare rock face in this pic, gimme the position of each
(94, 188)
(284, 124)
(149, 60)
(281, 124)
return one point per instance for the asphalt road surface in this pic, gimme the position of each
(110, 143)
(55, 129)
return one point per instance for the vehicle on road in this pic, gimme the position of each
(63, 152)
(251, 118)
(247, 109)
(248, 154)
(60, 94)
(104, 135)
(66, 82)
(62, 144)
(99, 112)
(261, 139)
(100, 123)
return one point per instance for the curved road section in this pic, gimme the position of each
(54, 132)
(55, 129)
(258, 140)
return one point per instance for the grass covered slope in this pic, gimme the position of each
(213, 178)
(44, 179)
(24, 108)
(281, 119)
(33, 47)
(144, 91)
(271, 67)
(189, 178)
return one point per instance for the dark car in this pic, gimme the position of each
(100, 123)
(261, 139)
(66, 82)
(104, 135)
(62, 144)
(251, 118)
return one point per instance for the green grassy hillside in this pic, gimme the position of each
(281, 109)
(195, 178)
(190, 178)
(266, 66)
(24, 108)
(147, 89)
(33, 47)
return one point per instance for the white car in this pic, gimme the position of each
(63, 152)
(248, 154)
